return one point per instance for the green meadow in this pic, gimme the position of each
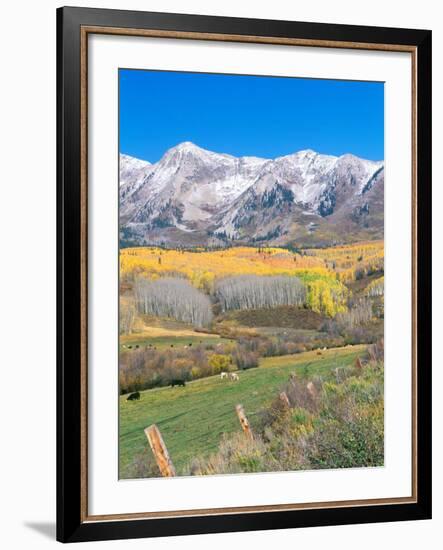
(192, 419)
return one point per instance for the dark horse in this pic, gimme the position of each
(177, 383)
(133, 396)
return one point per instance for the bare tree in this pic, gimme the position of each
(254, 292)
(359, 314)
(174, 298)
(376, 288)
(127, 317)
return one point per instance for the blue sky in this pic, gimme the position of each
(249, 115)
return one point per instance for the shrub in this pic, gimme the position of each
(245, 359)
(236, 454)
(219, 363)
(359, 314)
(349, 443)
(195, 372)
(337, 422)
(180, 368)
(142, 466)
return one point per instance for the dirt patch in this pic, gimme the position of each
(282, 316)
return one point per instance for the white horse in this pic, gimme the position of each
(234, 376)
(223, 375)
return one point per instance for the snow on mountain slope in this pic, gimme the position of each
(193, 190)
(131, 168)
(193, 182)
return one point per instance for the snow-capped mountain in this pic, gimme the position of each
(131, 168)
(194, 196)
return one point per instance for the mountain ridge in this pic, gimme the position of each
(196, 197)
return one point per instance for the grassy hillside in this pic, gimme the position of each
(162, 333)
(192, 419)
(168, 340)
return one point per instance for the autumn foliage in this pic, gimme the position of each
(354, 261)
(323, 291)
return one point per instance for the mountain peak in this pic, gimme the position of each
(188, 147)
(133, 160)
(188, 153)
(307, 152)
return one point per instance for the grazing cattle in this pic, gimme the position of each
(129, 347)
(318, 352)
(137, 346)
(133, 396)
(234, 377)
(190, 344)
(177, 383)
(223, 375)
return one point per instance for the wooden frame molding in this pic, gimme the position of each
(74, 27)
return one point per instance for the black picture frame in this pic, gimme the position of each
(71, 523)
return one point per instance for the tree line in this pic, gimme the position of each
(255, 292)
(175, 298)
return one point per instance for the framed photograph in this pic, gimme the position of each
(244, 274)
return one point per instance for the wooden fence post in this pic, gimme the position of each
(160, 451)
(312, 390)
(284, 399)
(243, 420)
